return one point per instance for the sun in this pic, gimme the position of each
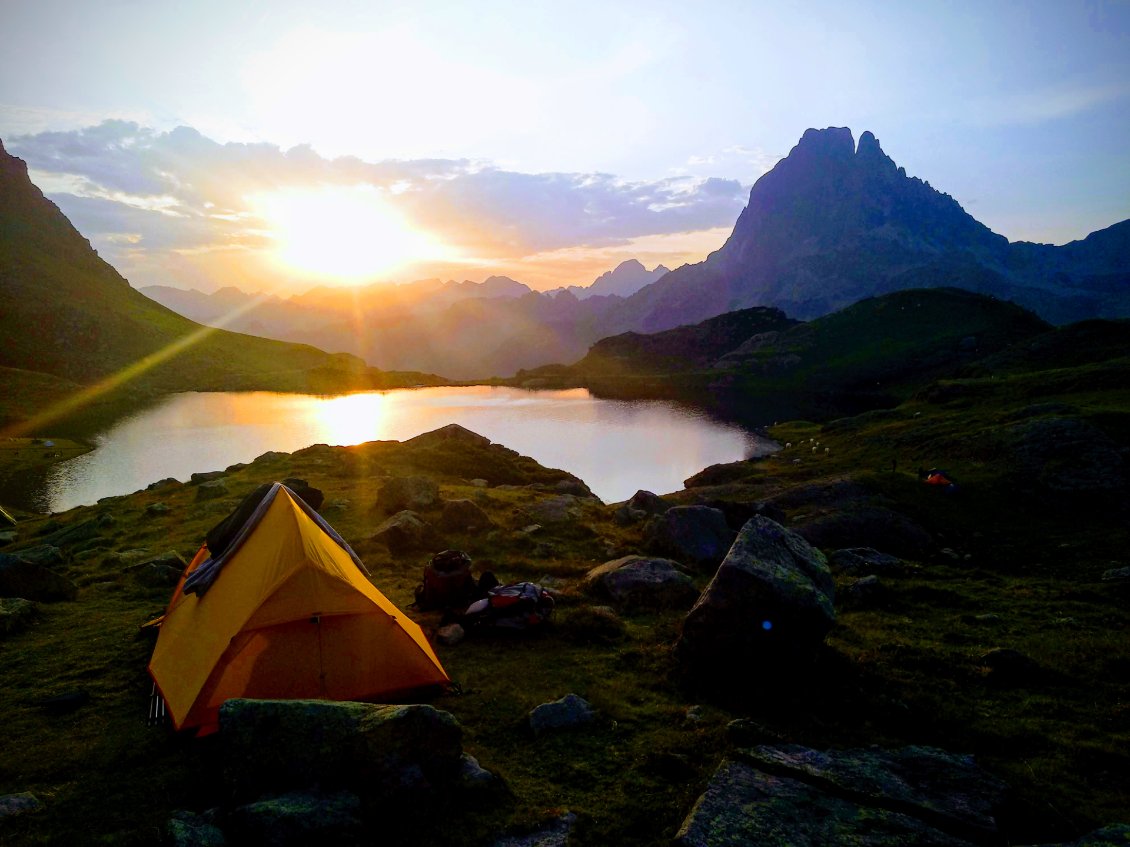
(346, 233)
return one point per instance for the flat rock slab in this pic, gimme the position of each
(745, 806)
(949, 791)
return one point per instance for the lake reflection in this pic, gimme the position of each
(617, 447)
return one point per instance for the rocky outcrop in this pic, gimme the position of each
(771, 601)
(695, 535)
(873, 797)
(640, 582)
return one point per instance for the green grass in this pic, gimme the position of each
(905, 672)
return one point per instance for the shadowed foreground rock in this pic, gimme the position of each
(771, 601)
(31, 581)
(380, 751)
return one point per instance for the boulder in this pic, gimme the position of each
(12, 805)
(563, 508)
(771, 601)
(46, 555)
(162, 483)
(641, 505)
(205, 476)
(158, 508)
(867, 526)
(73, 534)
(211, 490)
(298, 819)
(738, 513)
(464, 516)
(20, 578)
(696, 535)
(569, 712)
(376, 751)
(407, 492)
(639, 582)
(450, 635)
(574, 487)
(743, 805)
(187, 829)
(1065, 455)
(160, 572)
(475, 777)
(16, 614)
(949, 791)
(862, 561)
(1117, 575)
(404, 532)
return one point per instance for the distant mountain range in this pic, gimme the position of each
(70, 320)
(831, 224)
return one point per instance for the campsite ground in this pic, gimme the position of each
(1015, 564)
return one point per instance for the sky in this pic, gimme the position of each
(278, 146)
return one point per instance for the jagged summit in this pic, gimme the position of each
(835, 222)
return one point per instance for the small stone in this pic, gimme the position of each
(450, 635)
(567, 713)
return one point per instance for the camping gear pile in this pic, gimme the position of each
(449, 585)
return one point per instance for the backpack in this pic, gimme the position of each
(448, 583)
(517, 606)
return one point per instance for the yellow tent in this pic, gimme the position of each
(289, 615)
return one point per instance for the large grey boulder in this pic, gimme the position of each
(20, 578)
(414, 493)
(212, 489)
(640, 506)
(770, 601)
(695, 535)
(642, 582)
(404, 532)
(564, 508)
(379, 752)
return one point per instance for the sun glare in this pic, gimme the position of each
(345, 233)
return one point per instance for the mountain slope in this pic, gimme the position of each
(833, 223)
(67, 313)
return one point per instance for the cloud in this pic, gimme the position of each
(139, 190)
(1036, 107)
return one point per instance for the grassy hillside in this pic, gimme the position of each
(907, 668)
(67, 314)
(871, 354)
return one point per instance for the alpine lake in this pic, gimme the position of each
(616, 446)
